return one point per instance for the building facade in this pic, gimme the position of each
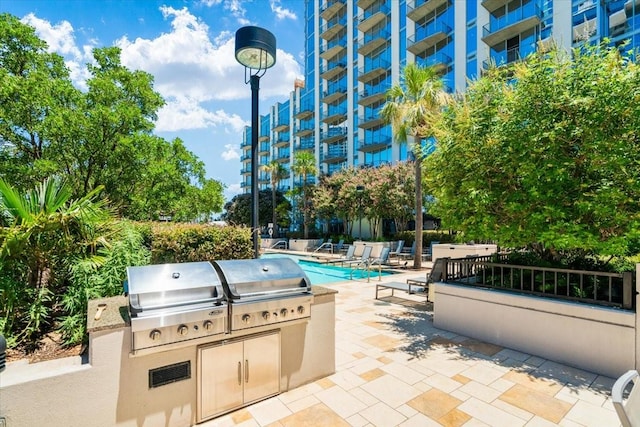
(355, 51)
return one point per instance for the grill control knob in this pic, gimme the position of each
(300, 309)
(155, 335)
(183, 330)
(283, 312)
(266, 315)
(207, 325)
(246, 319)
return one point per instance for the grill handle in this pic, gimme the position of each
(137, 309)
(274, 292)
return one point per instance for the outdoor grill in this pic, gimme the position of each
(171, 303)
(263, 292)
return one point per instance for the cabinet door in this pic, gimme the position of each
(262, 367)
(221, 378)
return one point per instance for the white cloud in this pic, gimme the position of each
(281, 13)
(231, 152)
(183, 113)
(59, 37)
(190, 68)
(232, 190)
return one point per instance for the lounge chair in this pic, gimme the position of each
(428, 253)
(349, 256)
(629, 412)
(383, 259)
(436, 273)
(364, 259)
(411, 252)
(398, 251)
(327, 246)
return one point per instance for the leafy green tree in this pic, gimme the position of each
(238, 209)
(36, 96)
(304, 166)
(42, 231)
(545, 154)
(412, 107)
(277, 173)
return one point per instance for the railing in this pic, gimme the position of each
(592, 287)
(498, 23)
(282, 243)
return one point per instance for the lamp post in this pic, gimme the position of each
(256, 50)
(360, 190)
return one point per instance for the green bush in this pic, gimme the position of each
(428, 236)
(199, 242)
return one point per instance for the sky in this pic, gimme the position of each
(188, 46)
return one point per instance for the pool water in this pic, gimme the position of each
(322, 274)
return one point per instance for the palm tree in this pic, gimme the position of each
(277, 173)
(411, 108)
(304, 164)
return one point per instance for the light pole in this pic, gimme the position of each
(360, 190)
(256, 50)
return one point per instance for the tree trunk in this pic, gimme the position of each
(273, 206)
(417, 256)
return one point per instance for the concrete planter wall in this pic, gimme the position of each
(597, 339)
(304, 245)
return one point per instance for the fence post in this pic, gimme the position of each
(627, 289)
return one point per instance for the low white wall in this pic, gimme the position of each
(377, 247)
(597, 339)
(303, 245)
(450, 250)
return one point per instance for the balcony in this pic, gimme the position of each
(370, 120)
(334, 115)
(584, 31)
(262, 138)
(332, 28)
(282, 124)
(373, 94)
(334, 154)
(511, 24)
(334, 134)
(427, 36)
(617, 23)
(375, 143)
(283, 157)
(418, 9)
(372, 17)
(246, 170)
(492, 5)
(305, 144)
(373, 41)
(333, 48)
(439, 61)
(329, 8)
(246, 145)
(264, 149)
(305, 128)
(304, 111)
(334, 93)
(245, 185)
(373, 69)
(365, 4)
(246, 157)
(331, 70)
(282, 141)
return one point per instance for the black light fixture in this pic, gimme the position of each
(256, 50)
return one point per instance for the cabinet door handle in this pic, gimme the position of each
(239, 373)
(246, 370)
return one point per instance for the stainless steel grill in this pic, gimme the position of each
(171, 303)
(265, 292)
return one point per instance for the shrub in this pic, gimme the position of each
(199, 242)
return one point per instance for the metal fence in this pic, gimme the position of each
(591, 287)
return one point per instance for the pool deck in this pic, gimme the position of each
(394, 368)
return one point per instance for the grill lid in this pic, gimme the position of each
(168, 285)
(251, 278)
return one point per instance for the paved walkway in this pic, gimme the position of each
(394, 368)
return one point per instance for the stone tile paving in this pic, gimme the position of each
(394, 368)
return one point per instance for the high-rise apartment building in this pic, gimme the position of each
(356, 49)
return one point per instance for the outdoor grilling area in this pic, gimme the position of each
(186, 343)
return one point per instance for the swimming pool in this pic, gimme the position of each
(322, 274)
